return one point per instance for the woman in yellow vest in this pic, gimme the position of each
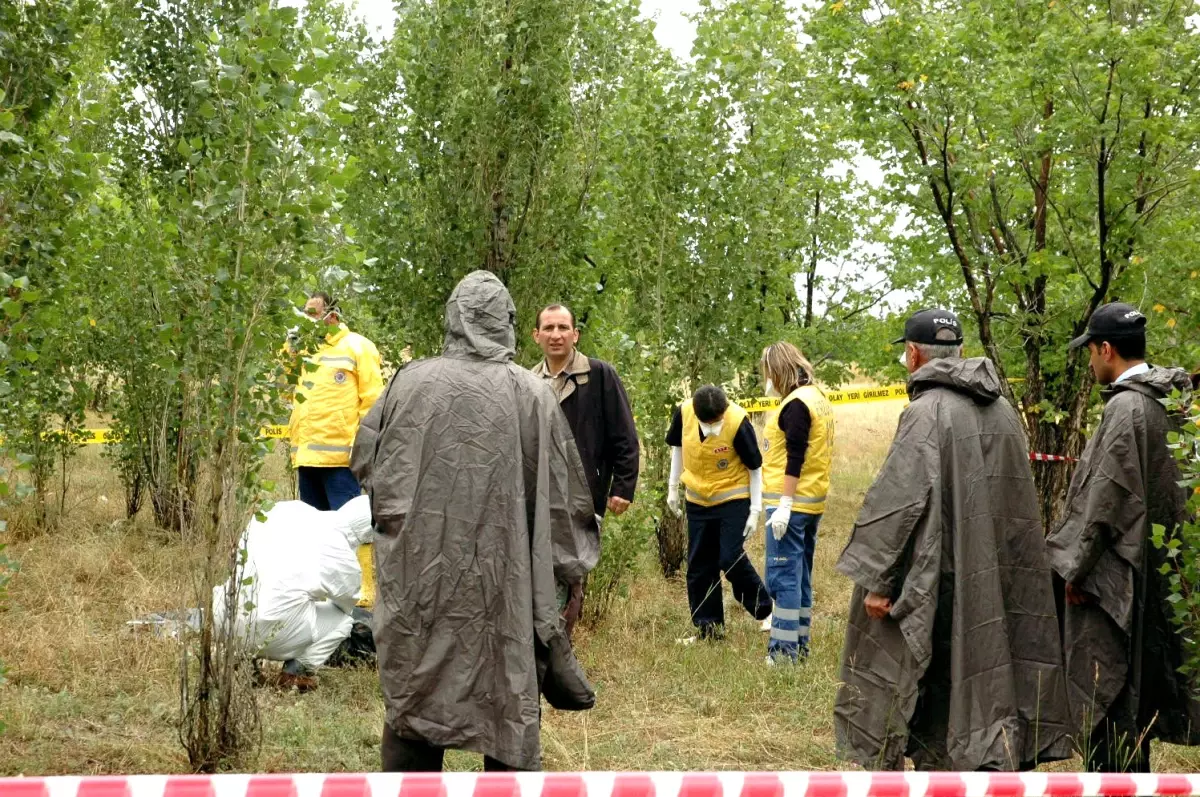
(797, 449)
(715, 453)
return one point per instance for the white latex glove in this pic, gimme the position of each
(780, 518)
(751, 524)
(673, 481)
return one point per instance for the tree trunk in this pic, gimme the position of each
(496, 258)
(134, 489)
(670, 531)
(1064, 438)
(810, 286)
(672, 542)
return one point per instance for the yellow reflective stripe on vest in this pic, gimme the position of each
(344, 361)
(719, 498)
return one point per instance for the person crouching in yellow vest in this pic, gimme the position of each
(797, 452)
(715, 453)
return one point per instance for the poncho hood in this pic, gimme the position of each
(975, 377)
(481, 320)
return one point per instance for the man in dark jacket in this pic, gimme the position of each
(1122, 654)
(593, 399)
(952, 651)
(481, 507)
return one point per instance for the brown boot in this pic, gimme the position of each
(296, 675)
(301, 683)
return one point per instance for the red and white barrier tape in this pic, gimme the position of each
(1050, 458)
(598, 784)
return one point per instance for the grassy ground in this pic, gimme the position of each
(85, 696)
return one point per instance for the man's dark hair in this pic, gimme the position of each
(1128, 347)
(326, 299)
(710, 403)
(554, 307)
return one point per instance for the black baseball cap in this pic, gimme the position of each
(924, 326)
(1113, 321)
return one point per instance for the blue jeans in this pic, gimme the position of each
(327, 488)
(789, 581)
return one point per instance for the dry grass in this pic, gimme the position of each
(84, 696)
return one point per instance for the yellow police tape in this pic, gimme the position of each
(853, 396)
(91, 437)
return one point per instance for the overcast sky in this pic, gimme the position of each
(673, 30)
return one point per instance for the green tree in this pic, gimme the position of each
(1182, 565)
(715, 202)
(1039, 148)
(478, 131)
(222, 209)
(47, 175)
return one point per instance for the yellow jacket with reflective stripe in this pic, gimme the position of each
(812, 487)
(339, 384)
(713, 473)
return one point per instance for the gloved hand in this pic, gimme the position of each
(673, 501)
(751, 523)
(780, 518)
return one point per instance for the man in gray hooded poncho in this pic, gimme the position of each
(952, 652)
(480, 502)
(1122, 654)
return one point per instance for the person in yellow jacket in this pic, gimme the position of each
(337, 386)
(715, 453)
(797, 451)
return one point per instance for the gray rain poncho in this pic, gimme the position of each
(1122, 655)
(966, 672)
(480, 502)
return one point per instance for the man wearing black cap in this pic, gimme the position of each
(952, 652)
(1122, 655)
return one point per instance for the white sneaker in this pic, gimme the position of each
(766, 625)
(687, 640)
(770, 661)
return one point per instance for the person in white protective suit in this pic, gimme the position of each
(305, 580)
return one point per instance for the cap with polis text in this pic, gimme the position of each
(924, 326)
(1112, 321)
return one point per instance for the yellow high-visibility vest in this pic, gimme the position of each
(337, 394)
(713, 473)
(812, 487)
